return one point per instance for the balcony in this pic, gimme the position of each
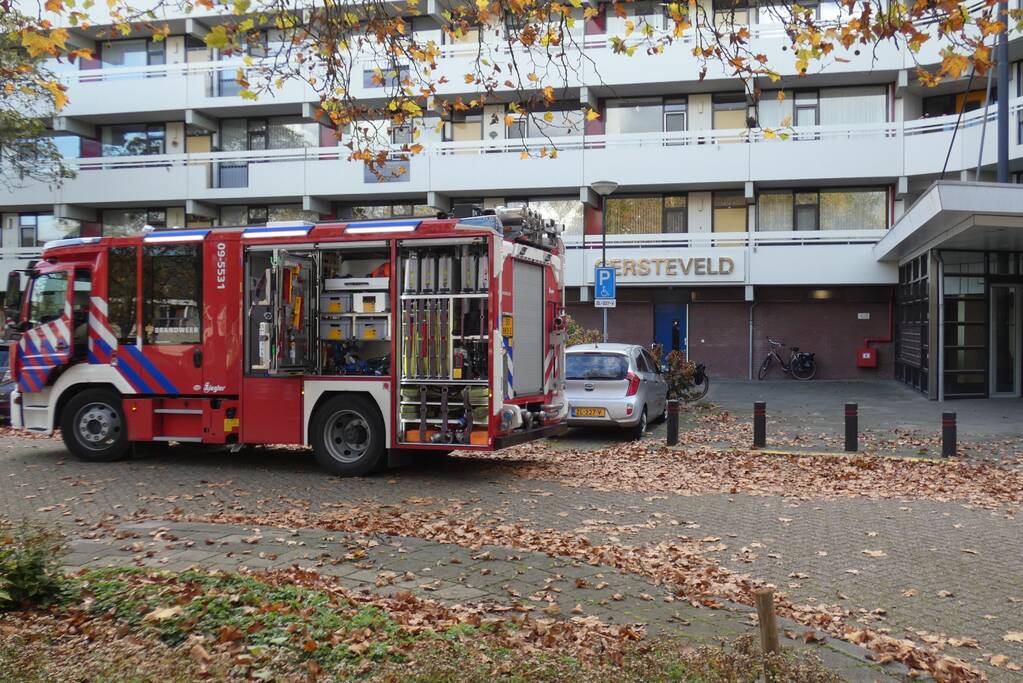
(210, 86)
(692, 160)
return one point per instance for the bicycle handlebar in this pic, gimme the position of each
(774, 343)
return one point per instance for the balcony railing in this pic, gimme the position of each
(731, 239)
(925, 144)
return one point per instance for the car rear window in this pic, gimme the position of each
(596, 366)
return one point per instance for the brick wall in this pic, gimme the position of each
(628, 323)
(829, 329)
(719, 333)
(719, 338)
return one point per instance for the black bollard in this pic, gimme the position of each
(673, 411)
(759, 424)
(948, 435)
(852, 427)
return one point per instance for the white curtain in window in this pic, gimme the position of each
(774, 211)
(775, 113)
(854, 210)
(290, 132)
(863, 104)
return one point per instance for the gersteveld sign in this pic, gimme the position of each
(675, 266)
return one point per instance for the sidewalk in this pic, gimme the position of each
(500, 579)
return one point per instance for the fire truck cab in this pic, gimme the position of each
(366, 340)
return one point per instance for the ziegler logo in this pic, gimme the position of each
(221, 265)
(212, 388)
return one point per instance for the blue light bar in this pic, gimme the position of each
(383, 226)
(175, 236)
(277, 231)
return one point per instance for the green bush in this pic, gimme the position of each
(30, 573)
(679, 373)
(579, 335)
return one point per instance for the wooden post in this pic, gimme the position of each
(766, 618)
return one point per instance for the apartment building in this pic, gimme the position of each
(733, 233)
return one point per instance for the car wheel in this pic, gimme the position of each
(347, 435)
(640, 428)
(93, 427)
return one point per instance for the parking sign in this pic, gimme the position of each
(604, 287)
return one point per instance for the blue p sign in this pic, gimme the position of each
(604, 282)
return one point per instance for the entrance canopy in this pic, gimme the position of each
(960, 216)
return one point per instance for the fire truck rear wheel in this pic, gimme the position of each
(93, 426)
(347, 435)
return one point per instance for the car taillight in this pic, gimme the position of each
(633, 384)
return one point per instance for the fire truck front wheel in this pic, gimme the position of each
(347, 435)
(93, 426)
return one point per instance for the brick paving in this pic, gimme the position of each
(813, 549)
(497, 578)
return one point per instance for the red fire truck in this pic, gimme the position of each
(367, 340)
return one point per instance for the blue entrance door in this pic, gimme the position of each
(668, 317)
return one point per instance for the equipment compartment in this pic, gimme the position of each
(444, 342)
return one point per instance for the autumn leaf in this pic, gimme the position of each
(1013, 637)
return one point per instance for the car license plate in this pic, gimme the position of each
(589, 412)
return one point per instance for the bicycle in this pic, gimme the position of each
(701, 383)
(801, 364)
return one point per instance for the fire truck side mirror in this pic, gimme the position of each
(12, 298)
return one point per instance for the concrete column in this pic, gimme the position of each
(701, 112)
(71, 126)
(438, 201)
(75, 212)
(701, 211)
(317, 204)
(196, 118)
(197, 208)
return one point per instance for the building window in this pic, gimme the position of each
(807, 211)
(645, 115)
(826, 209)
(27, 223)
(133, 139)
(729, 111)
(852, 106)
(36, 229)
(261, 215)
(122, 293)
(391, 77)
(807, 109)
(131, 221)
(566, 211)
(172, 294)
(464, 126)
(645, 215)
(676, 115)
(132, 53)
(676, 213)
(633, 215)
(730, 212)
(865, 209)
(386, 211)
(774, 211)
(731, 12)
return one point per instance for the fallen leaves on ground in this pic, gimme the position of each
(680, 564)
(698, 467)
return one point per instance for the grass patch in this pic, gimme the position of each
(133, 626)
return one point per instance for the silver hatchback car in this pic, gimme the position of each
(614, 385)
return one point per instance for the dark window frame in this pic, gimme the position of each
(149, 311)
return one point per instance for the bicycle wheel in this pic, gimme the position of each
(764, 367)
(801, 371)
(701, 390)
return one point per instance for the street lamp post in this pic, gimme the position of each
(604, 188)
